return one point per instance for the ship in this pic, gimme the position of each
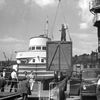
(42, 58)
(34, 59)
(51, 62)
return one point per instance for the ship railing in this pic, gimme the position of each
(53, 91)
(20, 86)
(57, 89)
(6, 85)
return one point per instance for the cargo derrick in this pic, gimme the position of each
(95, 10)
(59, 60)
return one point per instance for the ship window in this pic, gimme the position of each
(43, 48)
(33, 60)
(38, 48)
(33, 48)
(78, 66)
(30, 48)
(42, 60)
(24, 61)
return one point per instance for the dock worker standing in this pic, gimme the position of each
(26, 74)
(32, 79)
(2, 82)
(63, 33)
(14, 80)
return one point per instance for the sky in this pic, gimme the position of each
(22, 19)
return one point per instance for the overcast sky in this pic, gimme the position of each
(22, 19)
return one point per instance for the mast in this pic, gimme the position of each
(46, 27)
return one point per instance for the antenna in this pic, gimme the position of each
(46, 27)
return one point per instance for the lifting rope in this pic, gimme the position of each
(63, 18)
(52, 29)
(66, 22)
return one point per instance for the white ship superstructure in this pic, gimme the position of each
(35, 58)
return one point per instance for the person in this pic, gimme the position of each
(2, 82)
(26, 74)
(27, 90)
(63, 33)
(32, 80)
(14, 80)
(15, 67)
(4, 73)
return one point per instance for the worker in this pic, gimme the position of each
(32, 79)
(4, 73)
(63, 33)
(2, 82)
(15, 67)
(26, 89)
(26, 74)
(14, 80)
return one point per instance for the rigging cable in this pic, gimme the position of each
(46, 27)
(55, 18)
(66, 22)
